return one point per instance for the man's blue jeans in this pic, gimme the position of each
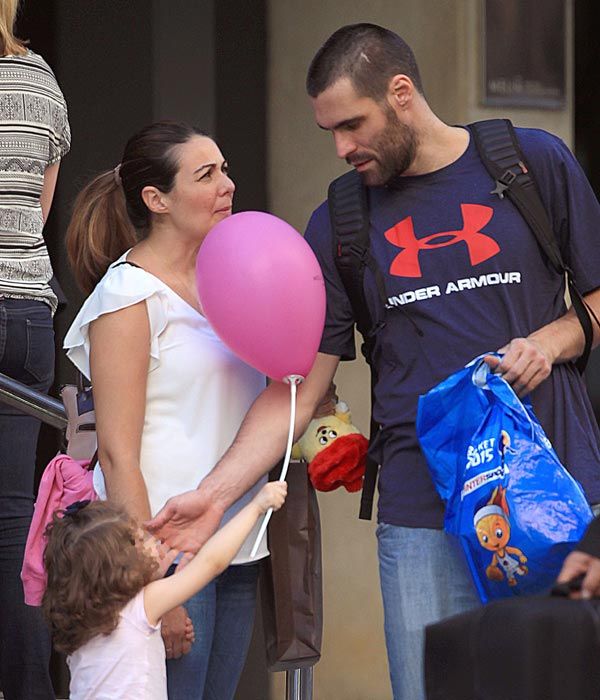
(223, 617)
(27, 355)
(423, 579)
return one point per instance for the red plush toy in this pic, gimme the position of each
(335, 451)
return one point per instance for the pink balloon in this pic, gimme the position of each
(262, 290)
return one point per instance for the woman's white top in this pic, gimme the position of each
(128, 663)
(197, 395)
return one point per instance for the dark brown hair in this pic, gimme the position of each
(367, 54)
(109, 214)
(95, 566)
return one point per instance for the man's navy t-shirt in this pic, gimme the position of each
(464, 275)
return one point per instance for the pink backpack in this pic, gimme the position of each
(66, 479)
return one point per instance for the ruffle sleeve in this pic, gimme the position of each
(122, 286)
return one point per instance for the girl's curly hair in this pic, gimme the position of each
(95, 566)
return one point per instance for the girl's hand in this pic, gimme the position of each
(272, 495)
(177, 632)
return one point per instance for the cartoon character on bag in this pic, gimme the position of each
(492, 526)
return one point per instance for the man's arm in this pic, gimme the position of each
(528, 361)
(187, 521)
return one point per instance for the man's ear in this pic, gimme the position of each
(400, 91)
(154, 199)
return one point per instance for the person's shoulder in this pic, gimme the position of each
(39, 63)
(32, 58)
(318, 224)
(321, 213)
(540, 145)
(126, 277)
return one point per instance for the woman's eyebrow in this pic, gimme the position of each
(206, 165)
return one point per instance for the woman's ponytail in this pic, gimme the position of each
(99, 231)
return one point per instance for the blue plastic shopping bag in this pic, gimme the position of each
(515, 509)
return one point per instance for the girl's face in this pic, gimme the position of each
(203, 191)
(161, 553)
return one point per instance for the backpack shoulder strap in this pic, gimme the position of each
(349, 214)
(499, 150)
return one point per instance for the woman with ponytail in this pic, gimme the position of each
(169, 396)
(34, 136)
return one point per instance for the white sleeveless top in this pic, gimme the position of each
(197, 395)
(128, 663)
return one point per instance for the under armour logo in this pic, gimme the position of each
(481, 246)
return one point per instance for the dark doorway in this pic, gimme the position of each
(587, 143)
(122, 65)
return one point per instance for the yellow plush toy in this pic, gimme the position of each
(335, 451)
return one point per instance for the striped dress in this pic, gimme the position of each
(34, 133)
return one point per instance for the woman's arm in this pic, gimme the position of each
(214, 557)
(47, 195)
(119, 361)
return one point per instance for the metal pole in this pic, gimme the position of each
(299, 684)
(33, 403)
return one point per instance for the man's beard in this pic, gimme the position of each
(393, 151)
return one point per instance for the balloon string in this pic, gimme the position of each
(286, 462)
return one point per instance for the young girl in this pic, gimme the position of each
(103, 604)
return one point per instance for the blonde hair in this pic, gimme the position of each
(9, 44)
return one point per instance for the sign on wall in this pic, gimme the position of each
(524, 53)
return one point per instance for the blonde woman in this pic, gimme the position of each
(34, 136)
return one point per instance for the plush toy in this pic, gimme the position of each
(335, 451)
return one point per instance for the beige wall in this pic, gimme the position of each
(445, 37)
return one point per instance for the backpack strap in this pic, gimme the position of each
(501, 154)
(349, 214)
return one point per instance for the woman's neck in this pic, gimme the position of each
(173, 261)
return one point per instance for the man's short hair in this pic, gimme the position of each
(367, 54)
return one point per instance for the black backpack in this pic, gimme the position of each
(501, 154)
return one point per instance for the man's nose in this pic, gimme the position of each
(344, 145)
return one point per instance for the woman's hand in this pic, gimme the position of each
(177, 632)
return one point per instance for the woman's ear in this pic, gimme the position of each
(154, 199)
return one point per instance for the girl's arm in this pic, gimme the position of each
(119, 361)
(214, 557)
